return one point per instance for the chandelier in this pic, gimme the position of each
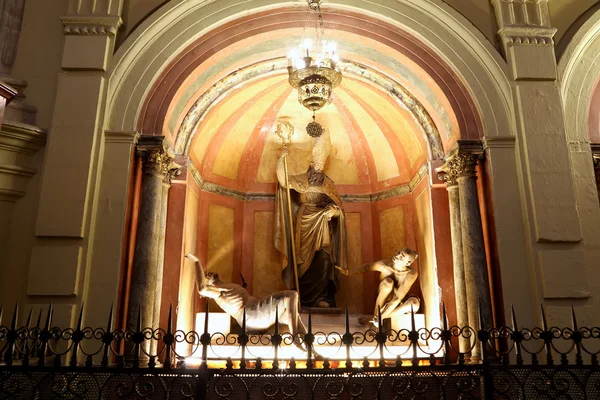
(312, 67)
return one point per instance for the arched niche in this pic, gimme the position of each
(145, 77)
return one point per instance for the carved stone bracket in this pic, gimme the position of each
(91, 25)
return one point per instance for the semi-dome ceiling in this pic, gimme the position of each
(376, 144)
(220, 99)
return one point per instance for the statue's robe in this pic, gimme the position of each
(319, 237)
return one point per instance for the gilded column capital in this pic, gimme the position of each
(159, 161)
(447, 175)
(463, 163)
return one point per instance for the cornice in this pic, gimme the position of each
(504, 142)
(121, 137)
(10, 195)
(468, 146)
(91, 25)
(528, 35)
(21, 138)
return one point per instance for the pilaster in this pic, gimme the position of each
(527, 38)
(75, 153)
(111, 230)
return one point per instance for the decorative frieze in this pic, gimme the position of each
(544, 38)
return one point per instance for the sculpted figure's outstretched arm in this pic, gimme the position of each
(200, 278)
(377, 266)
(204, 288)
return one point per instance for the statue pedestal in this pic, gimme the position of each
(334, 322)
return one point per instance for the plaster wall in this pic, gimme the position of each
(136, 10)
(17, 246)
(37, 62)
(428, 275)
(578, 76)
(479, 13)
(236, 238)
(563, 13)
(187, 280)
(39, 55)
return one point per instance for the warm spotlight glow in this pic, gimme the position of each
(217, 323)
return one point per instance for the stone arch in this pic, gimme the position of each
(579, 73)
(461, 49)
(461, 53)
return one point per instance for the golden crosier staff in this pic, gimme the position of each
(285, 140)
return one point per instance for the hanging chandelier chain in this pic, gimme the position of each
(321, 27)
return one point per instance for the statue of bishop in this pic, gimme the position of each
(319, 228)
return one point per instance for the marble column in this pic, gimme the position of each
(463, 164)
(460, 291)
(162, 230)
(146, 277)
(161, 256)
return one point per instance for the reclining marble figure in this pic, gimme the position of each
(397, 276)
(260, 314)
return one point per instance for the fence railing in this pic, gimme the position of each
(513, 359)
(43, 345)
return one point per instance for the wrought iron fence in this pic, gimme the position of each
(41, 361)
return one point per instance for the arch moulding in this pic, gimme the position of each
(579, 69)
(155, 43)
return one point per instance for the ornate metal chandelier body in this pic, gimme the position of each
(312, 72)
